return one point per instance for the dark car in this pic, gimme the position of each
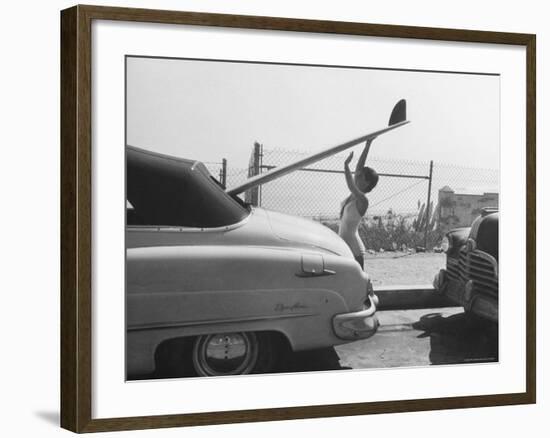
(471, 275)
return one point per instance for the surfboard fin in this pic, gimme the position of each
(399, 113)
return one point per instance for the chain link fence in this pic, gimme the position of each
(317, 191)
(413, 205)
(228, 176)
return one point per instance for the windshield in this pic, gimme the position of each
(168, 191)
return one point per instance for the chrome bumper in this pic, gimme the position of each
(357, 325)
(463, 294)
(485, 307)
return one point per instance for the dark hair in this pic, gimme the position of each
(371, 176)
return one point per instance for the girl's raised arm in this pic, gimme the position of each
(360, 198)
(363, 157)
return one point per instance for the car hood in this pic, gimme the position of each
(304, 232)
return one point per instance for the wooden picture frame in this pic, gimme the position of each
(76, 217)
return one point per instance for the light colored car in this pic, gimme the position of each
(219, 287)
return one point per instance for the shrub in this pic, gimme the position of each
(391, 232)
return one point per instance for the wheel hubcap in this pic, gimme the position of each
(225, 354)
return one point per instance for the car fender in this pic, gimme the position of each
(193, 290)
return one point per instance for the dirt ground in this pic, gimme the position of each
(398, 268)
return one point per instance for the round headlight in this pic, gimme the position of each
(445, 244)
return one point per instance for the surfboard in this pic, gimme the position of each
(397, 119)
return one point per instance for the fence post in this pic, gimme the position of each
(428, 209)
(260, 170)
(254, 170)
(223, 173)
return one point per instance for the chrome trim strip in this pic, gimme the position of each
(169, 325)
(175, 229)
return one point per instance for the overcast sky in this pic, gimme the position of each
(212, 110)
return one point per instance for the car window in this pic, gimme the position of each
(166, 191)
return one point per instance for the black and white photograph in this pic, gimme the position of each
(277, 218)
(305, 218)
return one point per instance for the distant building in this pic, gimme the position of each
(460, 209)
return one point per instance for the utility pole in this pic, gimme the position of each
(428, 209)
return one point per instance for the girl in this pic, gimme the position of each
(355, 205)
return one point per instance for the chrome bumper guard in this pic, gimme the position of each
(357, 325)
(440, 281)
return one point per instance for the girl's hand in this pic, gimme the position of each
(348, 160)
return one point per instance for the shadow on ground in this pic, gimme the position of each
(458, 339)
(323, 359)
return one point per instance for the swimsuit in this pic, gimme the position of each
(348, 230)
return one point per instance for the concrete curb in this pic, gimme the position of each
(410, 297)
